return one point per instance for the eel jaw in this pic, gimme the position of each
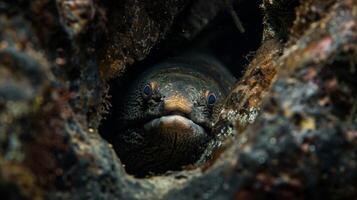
(176, 124)
(171, 142)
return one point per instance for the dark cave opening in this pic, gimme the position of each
(220, 38)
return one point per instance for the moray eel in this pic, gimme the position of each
(166, 117)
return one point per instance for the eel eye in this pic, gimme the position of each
(147, 91)
(211, 98)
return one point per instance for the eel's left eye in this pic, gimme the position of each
(147, 91)
(211, 98)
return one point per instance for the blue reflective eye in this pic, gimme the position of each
(147, 91)
(211, 99)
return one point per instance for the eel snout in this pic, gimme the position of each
(179, 104)
(176, 119)
(177, 131)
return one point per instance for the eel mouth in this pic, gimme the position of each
(171, 142)
(176, 124)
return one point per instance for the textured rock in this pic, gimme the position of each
(288, 128)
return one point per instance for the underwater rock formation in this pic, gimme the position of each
(288, 129)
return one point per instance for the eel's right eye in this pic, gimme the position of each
(147, 91)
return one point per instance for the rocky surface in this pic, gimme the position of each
(288, 129)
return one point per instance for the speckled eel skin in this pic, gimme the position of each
(166, 117)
